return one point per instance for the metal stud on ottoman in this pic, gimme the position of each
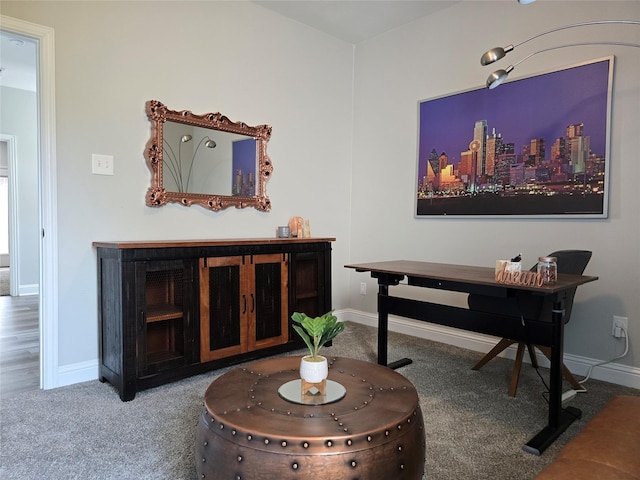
(248, 431)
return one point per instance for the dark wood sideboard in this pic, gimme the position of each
(171, 309)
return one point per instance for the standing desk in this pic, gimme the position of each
(480, 280)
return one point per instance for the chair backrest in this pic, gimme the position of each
(533, 307)
(570, 261)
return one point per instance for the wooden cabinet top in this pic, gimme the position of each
(206, 242)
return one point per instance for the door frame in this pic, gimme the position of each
(47, 181)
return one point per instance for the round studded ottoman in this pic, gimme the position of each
(249, 431)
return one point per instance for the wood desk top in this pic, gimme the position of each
(464, 274)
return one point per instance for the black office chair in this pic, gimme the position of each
(532, 308)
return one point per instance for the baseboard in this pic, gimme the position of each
(611, 372)
(32, 289)
(579, 366)
(77, 373)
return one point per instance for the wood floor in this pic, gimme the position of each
(19, 345)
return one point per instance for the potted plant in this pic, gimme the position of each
(315, 332)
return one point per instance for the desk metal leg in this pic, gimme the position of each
(559, 419)
(383, 325)
(383, 331)
(548, 434)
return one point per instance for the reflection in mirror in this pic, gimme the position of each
(198, 160)
(207, 160)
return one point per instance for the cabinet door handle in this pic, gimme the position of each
(253, 303)
(244, 308)
(142, 321)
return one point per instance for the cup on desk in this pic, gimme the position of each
(508, 266)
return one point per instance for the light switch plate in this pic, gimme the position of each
(101, 164)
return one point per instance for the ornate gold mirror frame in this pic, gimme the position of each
(209, 131)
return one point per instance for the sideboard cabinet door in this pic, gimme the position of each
(147, 321)
(310, 288)
(268, 315)
(165, 338)
(243, 304)
(223, 307)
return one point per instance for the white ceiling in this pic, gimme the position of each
(355, 20)
(18, 62)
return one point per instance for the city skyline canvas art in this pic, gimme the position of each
(536, 146)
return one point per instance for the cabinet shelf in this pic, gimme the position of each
(160, 313)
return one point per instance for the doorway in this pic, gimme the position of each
(45, 173)
(19, 164)
(4, 213)
(8, 285)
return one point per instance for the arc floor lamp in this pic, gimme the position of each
(495, 54)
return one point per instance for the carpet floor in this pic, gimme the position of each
(473, 429)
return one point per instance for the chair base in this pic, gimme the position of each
(515, 376)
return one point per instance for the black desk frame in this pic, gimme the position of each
(539, 333)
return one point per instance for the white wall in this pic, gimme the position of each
(18, 117)
(234, 57)
(439, 55)
(345, 161)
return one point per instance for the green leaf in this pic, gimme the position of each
(317, 331)
(304, 336)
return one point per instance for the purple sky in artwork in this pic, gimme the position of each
(535, 107)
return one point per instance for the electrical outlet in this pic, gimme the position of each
(618, 324)
(363, 288)
(101, 164)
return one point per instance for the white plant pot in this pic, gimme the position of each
(314, 371)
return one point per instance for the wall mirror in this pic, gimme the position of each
(206, 160)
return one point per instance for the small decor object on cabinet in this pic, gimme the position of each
(295, 226)
(299, 227)
(284, 231)
(315, 332)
